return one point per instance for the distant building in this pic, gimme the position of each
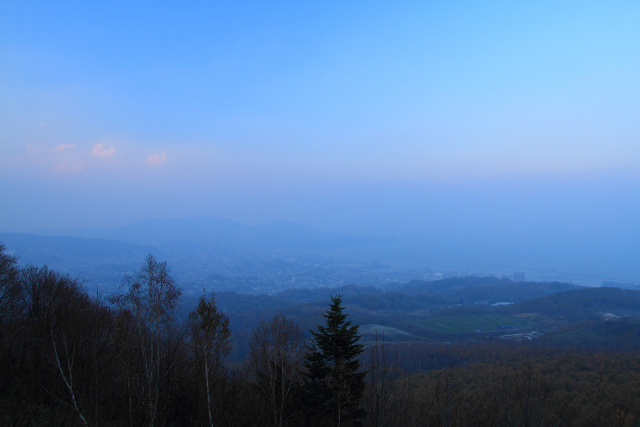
(518, 276)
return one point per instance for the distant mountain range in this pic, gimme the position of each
(223, 233)
(39, 249)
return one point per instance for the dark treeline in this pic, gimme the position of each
(71, 359)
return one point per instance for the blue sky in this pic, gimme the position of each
(371, 117)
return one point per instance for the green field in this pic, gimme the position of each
(470, 324)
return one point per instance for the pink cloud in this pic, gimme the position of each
(101, 151)
(64, 146)
(157, 159)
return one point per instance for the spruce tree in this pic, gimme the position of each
(334, 382)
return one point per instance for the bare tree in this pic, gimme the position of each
(210, 333)
(56, 309)
(525, 397)
(65, 360)
(151, 298)
(381, 399)
(9, 287)
(276, 352)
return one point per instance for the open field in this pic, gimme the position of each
(471, 324)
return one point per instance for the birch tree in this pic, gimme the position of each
(276, 352)
(151, 298)
(210, 333)
(56, 309)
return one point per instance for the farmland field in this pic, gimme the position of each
(471, 324)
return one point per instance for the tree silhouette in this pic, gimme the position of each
(333, 380)
(275, 356)
(210, 333)
(151, 299)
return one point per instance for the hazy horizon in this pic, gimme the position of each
(497, 131)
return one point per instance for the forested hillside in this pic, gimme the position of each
(430, 353)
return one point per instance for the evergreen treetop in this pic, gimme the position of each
(333, 379)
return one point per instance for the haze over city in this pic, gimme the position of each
(503, 133)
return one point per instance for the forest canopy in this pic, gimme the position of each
(70, 358)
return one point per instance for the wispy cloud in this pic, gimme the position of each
(157, 159)
(101, 151)
(64, 147)
(64, 167)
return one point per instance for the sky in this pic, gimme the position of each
(486, 129)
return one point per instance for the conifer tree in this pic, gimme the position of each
(334, 382)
